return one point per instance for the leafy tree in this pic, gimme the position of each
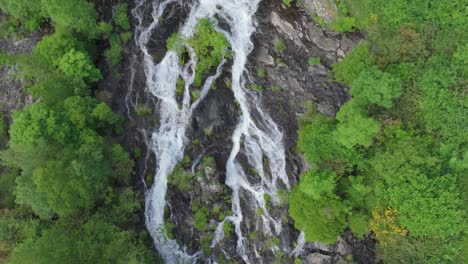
(428, 207)
(318, 144)
(65, 163)
(29, 12)
(358, 224)
(318, 184)
(321, 219)
(53, 47)
(96, 241)
(376, 87)
(428, 250)
(72, 15)
(78, 65)
(354, 128)
(351, 66)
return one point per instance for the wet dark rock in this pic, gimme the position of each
(288, 85)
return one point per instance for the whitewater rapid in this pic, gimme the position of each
(256, 136)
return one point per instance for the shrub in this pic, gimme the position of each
(321, 220)
(280, 45)
(353, 64)
(376, 87)
(358, 223)
(314, 61)
(78, 65)
(344, 24)
(200, 218)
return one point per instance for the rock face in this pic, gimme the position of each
(317, 258)
(12, 96)
(324, 9)
(286, 81)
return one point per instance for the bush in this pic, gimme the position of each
(358, 224)
(314, 61)
(78, 65)
(353, 64)
(344, 24)
(321, 220)
(280, 45)
(376, 87)
(210, 47)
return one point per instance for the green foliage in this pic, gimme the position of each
(72, 15)
(200, 218)
(313, 61)
(344, 24)
(78, 65)
(354, 127)
(319, 145)
(261, 72)
(317, 184)
(210, 47)
(114, 53)
(228, 227)
(376, 87)
(142, 110)
(322, 220)
(358, 224)
(120, 17)
(29, 13)
(97, 241)
(53, 47)
(353, 64)
(280, 45)
(287, 2)
(64, 163)
(181, 179)
(422, 250)
(7, 186)
(408, 168)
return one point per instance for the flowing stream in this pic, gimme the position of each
(256, 136)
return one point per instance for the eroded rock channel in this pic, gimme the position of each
(279, 75)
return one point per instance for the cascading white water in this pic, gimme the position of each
(256, 135)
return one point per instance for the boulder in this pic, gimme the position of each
(317, 258)
(324, 9)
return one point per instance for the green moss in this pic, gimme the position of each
(181, 179)
(287, 2)
(208, 133)
(180, 86)
(256, 87)
(227, 228)
(273, 88)
(210, 47)
(200, 218)
(195, 95)
(314, 61)
(261, 72)
(280, 45)
(142, 110)
(137, 152)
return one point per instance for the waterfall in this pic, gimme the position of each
(256, 135)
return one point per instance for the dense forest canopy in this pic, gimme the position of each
(393, 161)
(66, 194)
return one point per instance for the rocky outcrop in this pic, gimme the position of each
(287, 82)
(12, 95)
(323, 9)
